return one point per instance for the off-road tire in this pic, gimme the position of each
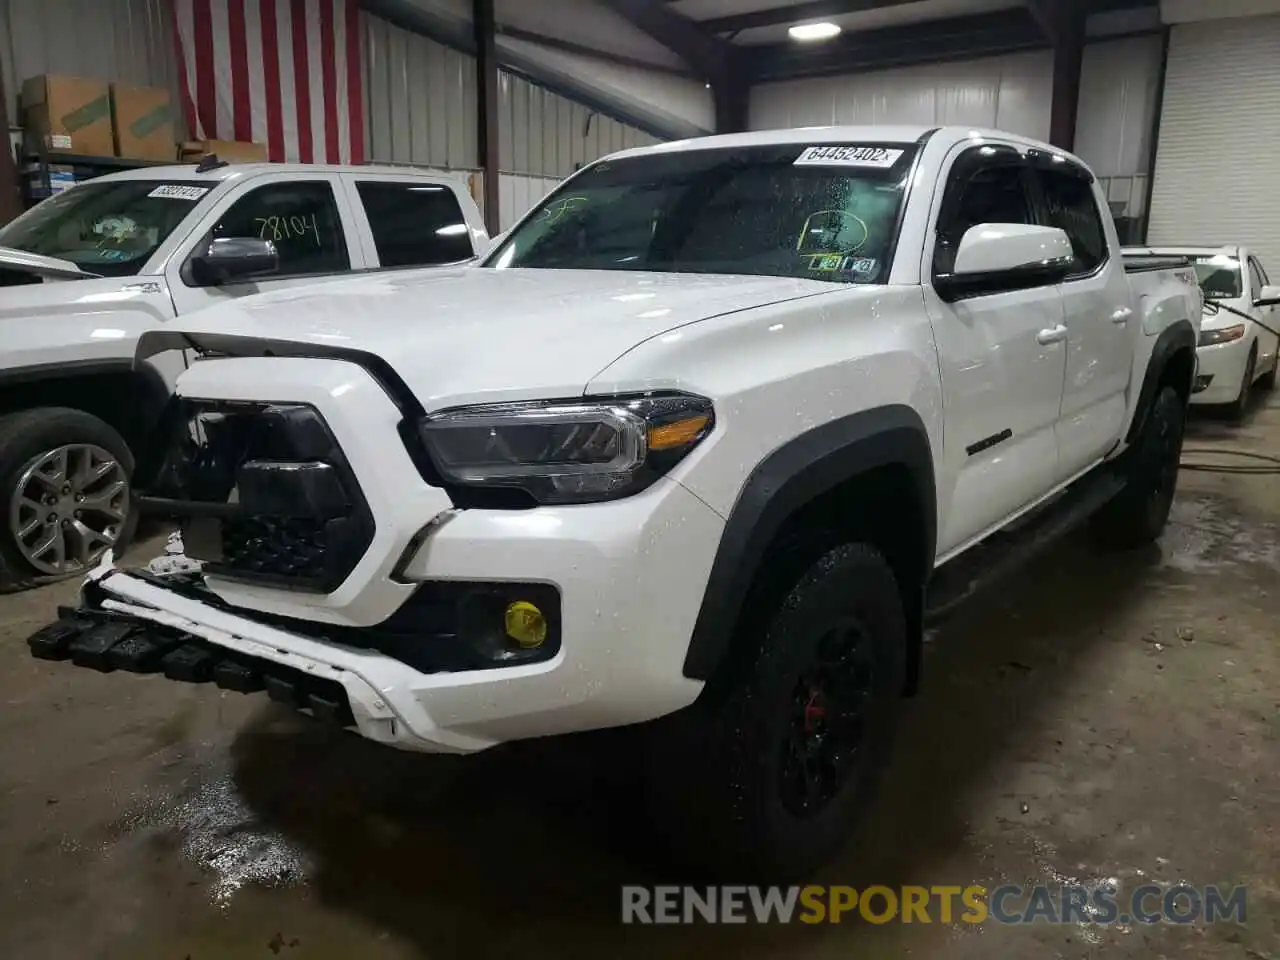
(716, 769)
(1138, 513)
(26, 434)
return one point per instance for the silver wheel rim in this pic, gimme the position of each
(68, 508)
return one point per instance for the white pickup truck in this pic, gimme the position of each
(698, 447)
(84, 274)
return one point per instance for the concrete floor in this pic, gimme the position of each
(1101, 717)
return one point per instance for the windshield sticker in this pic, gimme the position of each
(174, 191)
(860, 267)
(880, 158)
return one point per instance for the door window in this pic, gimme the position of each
(300, 217)
(994, 192)
(1070, 206)
(415, 224)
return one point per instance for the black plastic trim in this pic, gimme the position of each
(988, 442)
(793, 475)
(1179, 335)
(1150, 263)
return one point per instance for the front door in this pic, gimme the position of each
(1002, 357)
(313, 233)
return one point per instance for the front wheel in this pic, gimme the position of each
(765, 774)
(1237, 409)
(64, 495)
(1139, 512)
(1268, 380)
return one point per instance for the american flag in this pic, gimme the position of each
(285, 73)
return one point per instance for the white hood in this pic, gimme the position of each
(462, 335)
(40, 266)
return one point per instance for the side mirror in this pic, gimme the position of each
(995, 257)
(1269, 296)
(229, 259)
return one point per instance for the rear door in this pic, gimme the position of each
(307, 217)
(1002, 356)
(408, 221)
(1101, 323)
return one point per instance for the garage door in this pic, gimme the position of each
(1218, 159)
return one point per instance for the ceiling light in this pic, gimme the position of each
(814, 31)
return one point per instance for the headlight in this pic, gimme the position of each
(1225, 335)
(567, 451)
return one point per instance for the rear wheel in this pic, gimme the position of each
(64, 495)
(766, 773)
(1138, 513)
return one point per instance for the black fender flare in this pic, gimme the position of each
(795, 474)
(1179, 335)
(150, 392)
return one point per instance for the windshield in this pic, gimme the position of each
(828, 212)
(105, 228)
(1219, 276)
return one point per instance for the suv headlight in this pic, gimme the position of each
(570, 451)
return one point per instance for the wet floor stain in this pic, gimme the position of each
(215, 830)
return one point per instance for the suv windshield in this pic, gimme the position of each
(826, 212)
(104, 228)
(1219, 276)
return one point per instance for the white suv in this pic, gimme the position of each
(688, 447)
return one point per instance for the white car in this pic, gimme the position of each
(85, 273)
(700, 445)
(1240, 334)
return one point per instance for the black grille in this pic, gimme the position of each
(276, 546)
(262, 492)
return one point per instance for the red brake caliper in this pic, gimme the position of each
(813, 711)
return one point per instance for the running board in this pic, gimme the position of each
(1003, 553)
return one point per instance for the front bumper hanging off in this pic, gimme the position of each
(141, 622)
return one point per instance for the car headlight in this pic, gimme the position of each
(572, 451)
(1224, 335)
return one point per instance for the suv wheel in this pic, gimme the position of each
(766, 773)
(1138, 513)
(64, 495)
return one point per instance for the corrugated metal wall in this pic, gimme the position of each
(422, 103)
(130, 41)
(1012, 92)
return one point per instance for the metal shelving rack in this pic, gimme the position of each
(85, 167)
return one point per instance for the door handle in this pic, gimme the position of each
(1052, 334)
(1122, 315)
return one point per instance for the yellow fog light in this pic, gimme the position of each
(525, 624)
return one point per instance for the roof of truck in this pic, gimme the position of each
(189, 171)
(837, 134)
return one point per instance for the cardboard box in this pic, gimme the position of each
(68, 114)
(233, 151)
(142, 122)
